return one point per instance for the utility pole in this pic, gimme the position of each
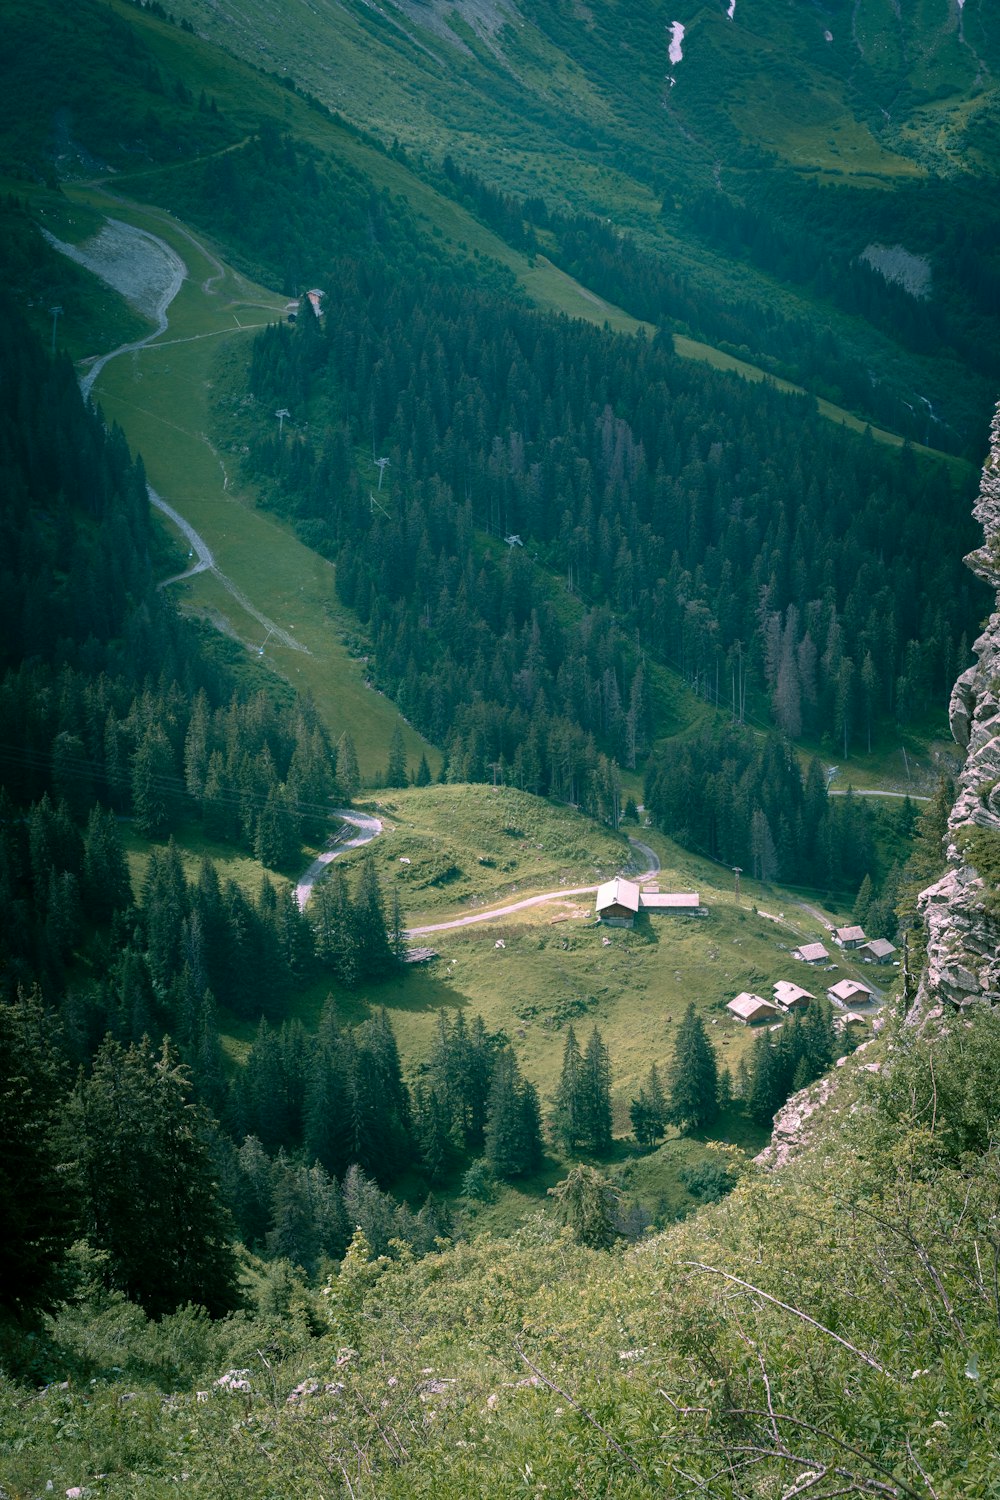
(737, 872)
(281, 414)
(56, 313)
(381, 464)
(495, 767)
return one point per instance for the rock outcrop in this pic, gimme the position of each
(963, 939)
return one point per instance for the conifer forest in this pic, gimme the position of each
(499, 842)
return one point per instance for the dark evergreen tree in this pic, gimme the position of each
(39, 1203)
(568, 1119)
(151, 1196)
(513, 1144)
(395, 774)
(588, 1203)
(692, 1079)
(648, 1112)
(596, 1096)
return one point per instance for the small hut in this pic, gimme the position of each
(752, 1009)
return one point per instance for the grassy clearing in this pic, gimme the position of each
(553, 289)
(912, 762)
(193, 847)
(161, 396)
(449, 850)
(555, 966)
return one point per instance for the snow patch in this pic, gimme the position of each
(676, 52)
(731, 11)
(828, 36)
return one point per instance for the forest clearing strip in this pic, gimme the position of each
(109, 258)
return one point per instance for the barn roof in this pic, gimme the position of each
(748, 1007)
(618, 892)
(786, 993)
(670, 900)
(848, 989)
(812, 952)
(880, 947)
(849, 934)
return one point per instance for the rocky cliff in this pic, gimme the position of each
(963, 937)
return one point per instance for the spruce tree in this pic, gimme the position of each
(692, 1081)
(648, 1112)
(567, 1119)
(348, 774)
(151, 1195)
(395, 774)
(596, 1096)
(374, 949)
(39, 1208)
(513, 1145)
(588, 1203)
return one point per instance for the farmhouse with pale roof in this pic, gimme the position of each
(751, 1009)
(850, 991)
(669, 901)
(619, 902)
(811, 953)
(878, 951)
(849, 937)
(791, 996)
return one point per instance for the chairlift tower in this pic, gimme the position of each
(381, 464)
(281, 414)
(56, 314)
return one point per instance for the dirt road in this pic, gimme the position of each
(368, 827)
(563, 894)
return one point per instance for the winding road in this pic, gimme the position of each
(126, 257)
(369, 827)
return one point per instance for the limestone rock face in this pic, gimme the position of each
(963, 947)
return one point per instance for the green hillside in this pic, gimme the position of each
(520, 445)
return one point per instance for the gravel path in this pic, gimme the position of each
(139, 265)
(367, 827)
(873, 791)
(561, 895)
(149, 274)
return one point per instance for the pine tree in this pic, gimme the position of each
(395, 774)
(348, 775)
(374, 949)
(106, 884)
(863, 902)
(764, 1094)
(155, 784)
(39, 1207)
(567, 1120)
(692, 1081)
(596, 1096)
(327, 1097)
(423, 776)
(648, 1113)
(588, 1203)
(152, 1200)
(513, 1144)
